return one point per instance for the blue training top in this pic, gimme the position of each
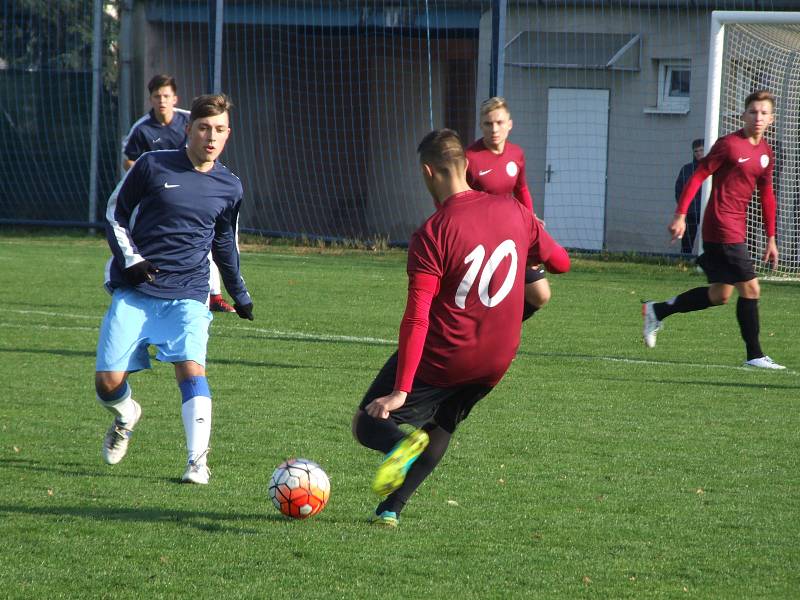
(167, 212)
(148, 134)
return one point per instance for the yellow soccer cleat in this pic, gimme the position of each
(387, 518)
(398, 461)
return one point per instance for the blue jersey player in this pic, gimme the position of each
(163, 218)
(164, 128)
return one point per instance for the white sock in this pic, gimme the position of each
(214, 284)
(123, 409)
(196, 413)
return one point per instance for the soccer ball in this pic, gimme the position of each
(299, 488)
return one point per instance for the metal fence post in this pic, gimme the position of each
(97, 81)
(215, 22)
(497, 74)
(124, 86)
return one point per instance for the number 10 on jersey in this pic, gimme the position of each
(475, 261)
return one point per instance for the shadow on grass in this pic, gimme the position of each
(75, 469)
(211, 522)
(56, 352)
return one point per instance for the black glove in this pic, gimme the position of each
(140, 272)
(245, 311)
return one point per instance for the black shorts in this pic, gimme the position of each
(726, 263)
(447, 407)
(534, 274)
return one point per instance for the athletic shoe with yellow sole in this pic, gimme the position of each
(392, 472)
(387, 518)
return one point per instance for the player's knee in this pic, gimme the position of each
(751, 290)
(723, 299)
(537, 293)
(106, 383)
(188, 368)
(719, 294)
(720, 299)
(541, 297)
(355, 425)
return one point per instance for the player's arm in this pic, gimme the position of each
(705, 167)
(546, 251)
(679, 183)
(422, 289)
(121, 204)
(768, 211)
(133, 146)
(521, 191)
(225, 252)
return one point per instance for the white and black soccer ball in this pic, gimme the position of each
(299, 488)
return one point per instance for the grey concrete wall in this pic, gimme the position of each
(645, 151)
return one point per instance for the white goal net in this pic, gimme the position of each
(766, 55)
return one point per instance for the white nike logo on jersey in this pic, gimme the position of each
(741, 160)
(158, 139)
(482, 173)
(169, 187)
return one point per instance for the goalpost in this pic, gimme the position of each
(750, 51)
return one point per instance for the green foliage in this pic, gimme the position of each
(57, 35)
(597, 468)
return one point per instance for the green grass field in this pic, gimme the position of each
(597, 468)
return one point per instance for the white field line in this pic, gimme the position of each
(322, 337)
(289, 335)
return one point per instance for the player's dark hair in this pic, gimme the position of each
(442, 149)
(210, 105)
(759, 96)
(159, 81)
(698, 143)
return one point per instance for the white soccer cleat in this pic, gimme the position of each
(196, 473)
(765, 362)
(115, 444)
(651, 325)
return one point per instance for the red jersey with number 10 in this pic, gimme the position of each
(477, 245)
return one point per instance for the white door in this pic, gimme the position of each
(575, 175)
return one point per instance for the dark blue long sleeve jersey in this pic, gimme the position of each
(166, 212)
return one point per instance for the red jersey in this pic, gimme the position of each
(738, 167)
(477, 247)
(501, 174)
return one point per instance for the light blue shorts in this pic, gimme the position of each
(134, 321)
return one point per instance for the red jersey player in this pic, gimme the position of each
(740, 162)
(497, 166)
(461, 326)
